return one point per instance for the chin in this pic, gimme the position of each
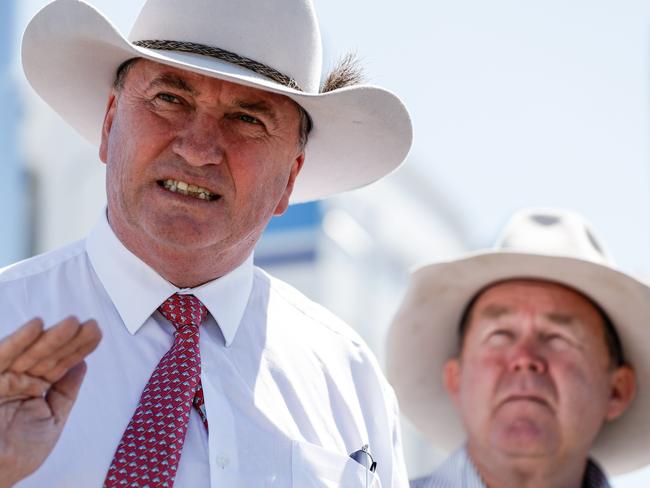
(525, 437)
(184, 234)
(189, 242)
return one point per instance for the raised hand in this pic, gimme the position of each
(40, 375)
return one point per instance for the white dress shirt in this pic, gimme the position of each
(290, 390)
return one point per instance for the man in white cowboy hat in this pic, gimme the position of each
(522, 359)
(210, 120)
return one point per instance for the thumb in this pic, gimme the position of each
(63, 393)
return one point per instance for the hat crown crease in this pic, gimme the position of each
(552, 233)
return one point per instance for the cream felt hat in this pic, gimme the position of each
(542, 244)
(71, 52)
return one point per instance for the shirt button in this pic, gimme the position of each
(222, 461)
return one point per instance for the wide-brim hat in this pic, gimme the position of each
(540, 244)
(71, 53)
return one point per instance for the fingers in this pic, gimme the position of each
(34, 359)
(63, 393)
(54, 366)
(47, 344)
(19, 387)
(54, 340)
(12, 346)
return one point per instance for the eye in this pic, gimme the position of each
(249, 119)
(168, 98)
(499, 337)
(557, 340)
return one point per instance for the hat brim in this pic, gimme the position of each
(71, 52)
(423, 336)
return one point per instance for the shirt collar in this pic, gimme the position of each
(137, 290)
(594, 476)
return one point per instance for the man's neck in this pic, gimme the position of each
(190, 271)
(499, 470)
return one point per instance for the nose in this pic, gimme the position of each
(199, 141)
(526, 359)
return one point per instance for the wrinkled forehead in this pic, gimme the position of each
(516, 301)
(558, 303)
(144, 72)
(533, 294)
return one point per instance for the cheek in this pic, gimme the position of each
(142, 129)
(120, 166)
(583, 397)
(133, 147)
(478, 380)
(259, 169)
(578, 386)
(128, 175)
(478, 385)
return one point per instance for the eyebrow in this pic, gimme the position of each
(172, 81)
(261, 108)
(495, 311)
(560, 318)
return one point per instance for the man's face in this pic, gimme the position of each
(231, 149)
(534, 378)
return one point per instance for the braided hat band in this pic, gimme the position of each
(223, 55)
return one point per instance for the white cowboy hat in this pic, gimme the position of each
(542, 244)
(71, 52)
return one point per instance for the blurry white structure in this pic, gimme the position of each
(68, 177)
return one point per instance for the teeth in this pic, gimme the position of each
(186, 189)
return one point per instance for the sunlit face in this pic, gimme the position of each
(230, 152)
(535, 377)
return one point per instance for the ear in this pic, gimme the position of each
(622, 391)
(295, 169)
(107, 125)
(451, 378)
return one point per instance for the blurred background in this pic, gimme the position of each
(515, 103)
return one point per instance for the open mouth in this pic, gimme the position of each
(189, 190)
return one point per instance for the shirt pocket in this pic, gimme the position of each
(314, 466)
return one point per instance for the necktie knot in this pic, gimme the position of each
(183, 310)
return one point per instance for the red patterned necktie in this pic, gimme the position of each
(151, 445)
